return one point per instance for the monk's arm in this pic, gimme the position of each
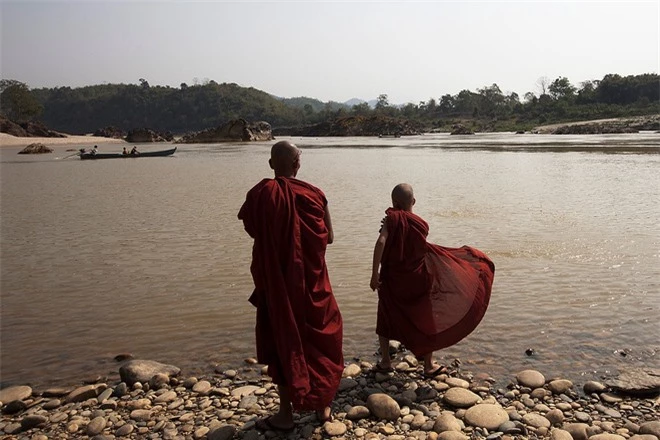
(378, 256)
(328, 224)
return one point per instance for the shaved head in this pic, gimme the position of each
(285, 159)
(402, 196)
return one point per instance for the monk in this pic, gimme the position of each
(299, 326)
(429, 297)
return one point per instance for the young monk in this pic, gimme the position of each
(429, 297)
(299, 327)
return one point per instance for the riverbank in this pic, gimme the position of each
(7, 140)
(152, 400)
(603, 126)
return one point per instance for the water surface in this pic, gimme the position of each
(146, 256)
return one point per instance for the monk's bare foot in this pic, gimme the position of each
(433, 370)
(383, 367)
(324, 415)
(276, 422)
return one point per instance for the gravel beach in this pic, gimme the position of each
(151, 400)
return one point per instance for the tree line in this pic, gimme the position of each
(199, 106)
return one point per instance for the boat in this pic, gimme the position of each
(90, 156)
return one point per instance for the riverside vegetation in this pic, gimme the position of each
(150, 400)
(209, 104)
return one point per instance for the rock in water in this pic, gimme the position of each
(36, 148)
(638, 382)
(143, 370)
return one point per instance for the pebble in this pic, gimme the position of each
(368, 406)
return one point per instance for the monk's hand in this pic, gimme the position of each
(382, 223)
(375, 282)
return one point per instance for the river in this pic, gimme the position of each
(146, 256)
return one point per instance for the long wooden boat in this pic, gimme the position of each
(90, 156)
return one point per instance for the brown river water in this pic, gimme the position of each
(146, 256)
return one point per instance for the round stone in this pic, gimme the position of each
(560, 386)
(536, 420)
(460, 397)
(486, 416)
(335, 428)
(607, 437)
(357, 413)
(95, 426)
(202, 387)
(10, 394)
(32, 421)
(578, 431)
(452, 435)
(446, 422)
(652, 428)
(530, 378)
(456, 382)
(560, 434)
(141, 415)
(383, 406)
(351, 370)
(555, 416)
(124, 430)
(167, 396)
(593, 387)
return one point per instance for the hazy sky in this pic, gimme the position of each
(328, 50)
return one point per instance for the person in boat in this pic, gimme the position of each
(299, 325)
(94, 150)
(429, 297)
(124, 152)
(134, 151)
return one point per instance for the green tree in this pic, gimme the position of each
(561, 88)
(17, 102)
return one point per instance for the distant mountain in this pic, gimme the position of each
(301, 101)
(355, 101)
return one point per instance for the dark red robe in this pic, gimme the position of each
(299, 327)
(430, 296)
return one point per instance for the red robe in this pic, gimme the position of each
(430, 296)
(299, 327)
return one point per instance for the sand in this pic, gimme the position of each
(7, 140)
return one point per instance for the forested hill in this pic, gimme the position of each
(200, 106)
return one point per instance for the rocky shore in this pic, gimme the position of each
(603, 126)
(151, 400)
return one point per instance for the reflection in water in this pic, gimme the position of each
(147, 256)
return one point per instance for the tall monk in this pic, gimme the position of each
(429, 296)
(299, 326)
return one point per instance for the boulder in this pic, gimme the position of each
(36, 148)
(460, 129)
(143, 370)
(382, 126)
(110, 132)
(234, 130)
(144, 135)
(637, 382)
(12, 128)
